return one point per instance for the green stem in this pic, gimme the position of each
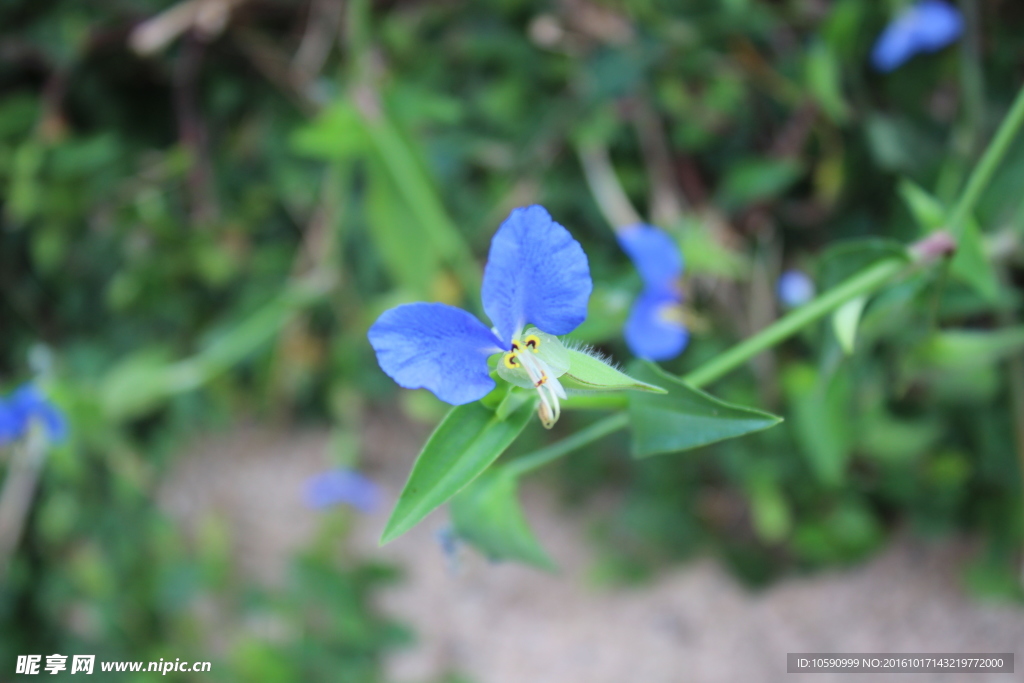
(858, 285)
(986, 168)
(543, 456)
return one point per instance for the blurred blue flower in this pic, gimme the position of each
(795, 288)
(925, 26)
(24, 406)
(655, 329)
(342, 486)
(536, 273)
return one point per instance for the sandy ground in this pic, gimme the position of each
(497, 623)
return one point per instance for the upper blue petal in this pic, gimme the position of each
(924, 27)
(12, 422)
(29, 403)
(649, 332)
(654, 253)
(536, 273)
(939, 24)
(795, 288)
(335, 487)
(436, 347)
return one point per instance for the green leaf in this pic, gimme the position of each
(467, 441)
(849, 257)
(142, 382)
(336, 133)
(973, 348)
(824, 80)
(756, 180)
(845, 321)
(820, 409)
(487, 514)
(589, 373)
(685, 417)
(970, 264)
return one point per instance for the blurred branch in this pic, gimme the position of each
(321, 31)
(605, 187)
(192, 130)
(207, 18)
(18, 491)
(667, 203)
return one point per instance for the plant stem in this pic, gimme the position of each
(543, 456)
(863, 283)
(858, 285)
(986, 168)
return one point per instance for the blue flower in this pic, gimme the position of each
(536, 273)
(926, 26)
(24, 406)
(655, 328)
(795, 288)
(336, 487)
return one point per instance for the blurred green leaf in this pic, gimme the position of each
(848, 257)
(820, 418)
(757, 180)
(466, 442)
(487, 514)
(824, 81)
(963, 349)
(845, 321)
(970, 263)
(685, 417)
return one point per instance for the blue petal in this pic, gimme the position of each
(654, 253)
(795, 288)
(336, 487)
(12, 423)
(536, 273)
(927, 26)
(436, 347)
(31, 404)
(939, 24)
(650, 333)
(896, 45)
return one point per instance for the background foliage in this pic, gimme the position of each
(202, 226)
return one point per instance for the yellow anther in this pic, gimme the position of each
(532, 342)
(510, 360)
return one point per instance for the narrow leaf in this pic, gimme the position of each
(467, 441)
(845, 321)
(973, 348)
(488, 515)
(685, 417)
(588, 373)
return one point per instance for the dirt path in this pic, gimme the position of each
(509, 624)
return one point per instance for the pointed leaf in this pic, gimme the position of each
(971, 265)
(487, 514)
(685, 417)
(820, 410)
(928, 211)
(972, 348)
(467, 441)
(589, 373)
(845, 321)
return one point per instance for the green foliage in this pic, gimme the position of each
(469, 439)
(685, 417)
(205, 232)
